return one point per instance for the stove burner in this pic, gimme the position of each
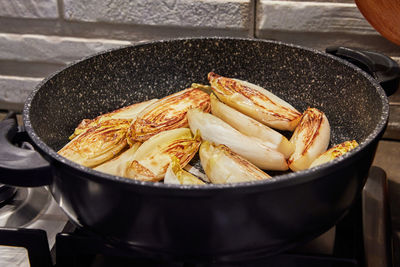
(25, 207)
(6, 193)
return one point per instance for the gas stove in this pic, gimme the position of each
(30, 213)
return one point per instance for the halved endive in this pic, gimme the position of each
(176, 175)
(151, 160)
(118, 165)
(222, 165)
(167, 113)
(251, 127)
(98, 144)
(215, 130)
(334, 152)
(126, 113)
(311, 139)
(255, 102)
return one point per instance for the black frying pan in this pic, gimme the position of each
(219, 222)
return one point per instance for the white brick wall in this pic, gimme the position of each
(311, 17)
(319, 24)
(29, 8)
(41, 36)
(14, 89)
(51, 49)
(182, 13)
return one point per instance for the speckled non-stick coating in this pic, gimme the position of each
(117, 78)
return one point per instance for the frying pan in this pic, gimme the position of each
(232, 222)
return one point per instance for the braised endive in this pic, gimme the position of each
(126, 113)
(251, 127)
(255, 101)
(118, 165)
(150, 141)
(311, 139)
(167, 113)
(151, 160)
(222, 165)
(217, 131)
(98, 144)
(335, 152)
(176, 175)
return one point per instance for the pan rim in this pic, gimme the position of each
(283, 180)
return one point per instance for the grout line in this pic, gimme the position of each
(60, 4)
(254, 17)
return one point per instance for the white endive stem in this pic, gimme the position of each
(117, 166)
(222, 165)
(217, 131)
(251, 127)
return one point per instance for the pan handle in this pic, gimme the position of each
(384, 69)
(20, 166)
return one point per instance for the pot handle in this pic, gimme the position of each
(20, 166)
(384, 69)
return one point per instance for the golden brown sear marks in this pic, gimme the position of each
(98, 143)
(311, 120)
(259, 99)
(154, 156)
(167, 113)
(311, 139)
(343, 148)
(335, 152)
(126, 113)
(255, 102)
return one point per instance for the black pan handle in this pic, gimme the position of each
(384, 69)
(20, 166)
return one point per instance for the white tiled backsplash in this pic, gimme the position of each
(38, 37)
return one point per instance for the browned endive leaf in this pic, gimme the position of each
(126, 113)
(98, 144)
(167, 113)
(335, 152)
(153, 157)
(255, 101)
(311, 139)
